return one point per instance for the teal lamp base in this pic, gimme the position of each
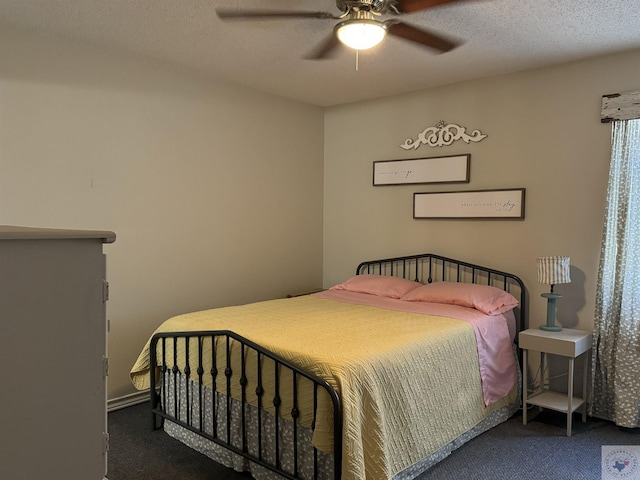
(551, 313)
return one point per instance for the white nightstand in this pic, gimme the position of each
(567, 343)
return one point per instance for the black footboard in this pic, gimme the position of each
(248, 375)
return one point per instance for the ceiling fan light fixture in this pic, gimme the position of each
(360, 34)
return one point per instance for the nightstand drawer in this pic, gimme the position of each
(568, 343)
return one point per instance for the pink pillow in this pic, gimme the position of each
(489, 300)
(380, 285)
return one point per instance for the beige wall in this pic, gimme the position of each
(544, 134)
(214, 191)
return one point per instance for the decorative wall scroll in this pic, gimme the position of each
(507, 204)
(449, 169)
(442, 135)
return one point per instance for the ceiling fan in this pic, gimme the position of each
(361, 25)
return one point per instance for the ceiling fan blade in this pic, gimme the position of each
(423, 37)
(224, 14)
(325, 49)
(409, 6)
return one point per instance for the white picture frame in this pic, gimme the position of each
(472, 204)
(447, 169)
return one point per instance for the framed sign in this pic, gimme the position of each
(507, 204)
(449, 169)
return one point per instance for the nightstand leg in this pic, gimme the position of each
(587, 364)
(543, 379)
(524, 387)
(570, 394)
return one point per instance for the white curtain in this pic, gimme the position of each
(616, 360)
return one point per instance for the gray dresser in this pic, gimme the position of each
(53, 355)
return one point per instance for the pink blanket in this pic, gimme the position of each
(494, 335)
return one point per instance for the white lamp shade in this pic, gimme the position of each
(360, 34)
(553, 270)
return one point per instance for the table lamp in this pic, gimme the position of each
(552, 271)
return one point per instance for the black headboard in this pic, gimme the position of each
(428, 268)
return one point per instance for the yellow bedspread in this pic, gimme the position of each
(409, 382)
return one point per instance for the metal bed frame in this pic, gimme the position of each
(428, 267)
(424, 268)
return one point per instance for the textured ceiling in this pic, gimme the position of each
(500, 36)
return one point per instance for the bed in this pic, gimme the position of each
(377, 378)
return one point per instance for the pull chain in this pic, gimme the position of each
(357, 58)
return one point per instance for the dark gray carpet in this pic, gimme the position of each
(538, 451)
(137, 452)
